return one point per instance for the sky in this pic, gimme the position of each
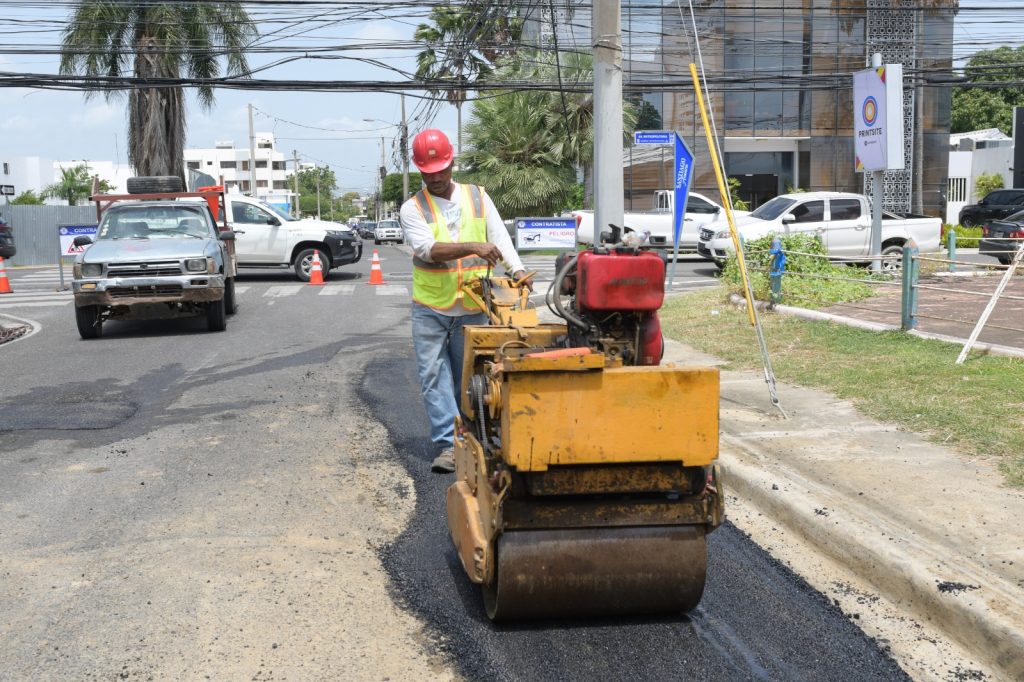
(66, 125)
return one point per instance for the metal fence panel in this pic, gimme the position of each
(35, 230)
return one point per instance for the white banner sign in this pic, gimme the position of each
(878, 118)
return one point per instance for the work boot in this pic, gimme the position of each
(444, 463)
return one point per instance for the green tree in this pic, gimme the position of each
(392, 190)
(75, 185)
(647, 116)
(27, 198)
(525, 146)
(461, 45)
(738, 204)
(986, 104)
(156, 40)
(318, 181)
(987, 182)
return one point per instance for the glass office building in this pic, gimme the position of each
(780, 87)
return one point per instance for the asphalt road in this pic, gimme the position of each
(176, 503)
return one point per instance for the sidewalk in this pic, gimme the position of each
(934, 533)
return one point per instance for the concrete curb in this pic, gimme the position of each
(970, 619)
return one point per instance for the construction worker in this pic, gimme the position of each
(456, 234)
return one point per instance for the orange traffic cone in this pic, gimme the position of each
(376, 275)
(316, 271)
(5, 284)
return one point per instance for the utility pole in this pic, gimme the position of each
(380, 181)
(317, 171)
(252, 156)
(404, 146)
(295, 178)
(606, 38)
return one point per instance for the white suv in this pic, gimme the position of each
(388, 231)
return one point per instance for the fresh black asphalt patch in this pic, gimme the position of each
(757, 621)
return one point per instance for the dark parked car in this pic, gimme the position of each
(7, 249)
(1002, 238)
(366, 229)
(995, 205)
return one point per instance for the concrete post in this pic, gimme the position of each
(908, 307)
(951, 248)
(252, 157)
(404, 146)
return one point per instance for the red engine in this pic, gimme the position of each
(618, 293)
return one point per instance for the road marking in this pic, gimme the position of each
(336, 289)
(241, 289)
(391, 290)
(33, 304)
(283, 290)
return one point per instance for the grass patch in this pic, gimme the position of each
(890, 376)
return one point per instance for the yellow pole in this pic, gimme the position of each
(723, 190)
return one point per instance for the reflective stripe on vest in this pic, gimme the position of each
(439, 285)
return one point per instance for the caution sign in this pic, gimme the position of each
(67, 234)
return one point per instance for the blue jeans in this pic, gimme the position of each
(439, 346)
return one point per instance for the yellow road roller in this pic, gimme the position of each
(585, 474)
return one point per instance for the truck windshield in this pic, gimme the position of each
(276, 211)
(773, 209)
(172, 221)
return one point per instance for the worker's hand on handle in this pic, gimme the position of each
(488, 251)
(521, 278)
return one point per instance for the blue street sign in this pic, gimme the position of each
(653, 137)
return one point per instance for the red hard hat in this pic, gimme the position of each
(431, 151)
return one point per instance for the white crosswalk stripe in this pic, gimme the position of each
(241, 288)
(280, 291)
(391, 290)
(338, 289)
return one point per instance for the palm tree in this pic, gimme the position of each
(156, 40)
(75, 184)
(461, 46)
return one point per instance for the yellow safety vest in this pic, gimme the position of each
(439, 285)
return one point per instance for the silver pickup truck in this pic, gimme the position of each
(155, 256)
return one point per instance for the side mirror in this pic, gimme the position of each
(226, 236)
(273, 221)
(788, 218)
(82, 241)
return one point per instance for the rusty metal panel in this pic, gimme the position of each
(621, 415)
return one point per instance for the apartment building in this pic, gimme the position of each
(224, 161)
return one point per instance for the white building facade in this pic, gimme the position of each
(971, 155)
(224, 161)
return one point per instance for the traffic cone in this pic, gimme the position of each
(376, 275)
(5, 284)
(316, 272)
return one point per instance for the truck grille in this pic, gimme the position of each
(706, 235)
(144, 291)
(156, 269)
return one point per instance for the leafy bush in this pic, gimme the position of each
(966, 237)
(810, 292)
(987, 182)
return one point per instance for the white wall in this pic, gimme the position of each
(26, 172)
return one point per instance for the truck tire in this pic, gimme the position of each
(892, 266)
(155, 184)
(90, 325)
(230, 302)
(216, 316)
(304, 263)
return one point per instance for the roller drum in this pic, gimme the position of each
(597, 572)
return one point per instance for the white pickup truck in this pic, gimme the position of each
(700, 210)
(840, 219)
(265, 237)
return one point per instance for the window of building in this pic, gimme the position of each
(228, 164)
(809, 212)
(279, 165)
(245, 165)
(7, 168)
(845, 209)
(265, 145)
(261, 183)
(261, 164)
(194, 165)
(245, 185)
(280, 184)
(209, 163)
